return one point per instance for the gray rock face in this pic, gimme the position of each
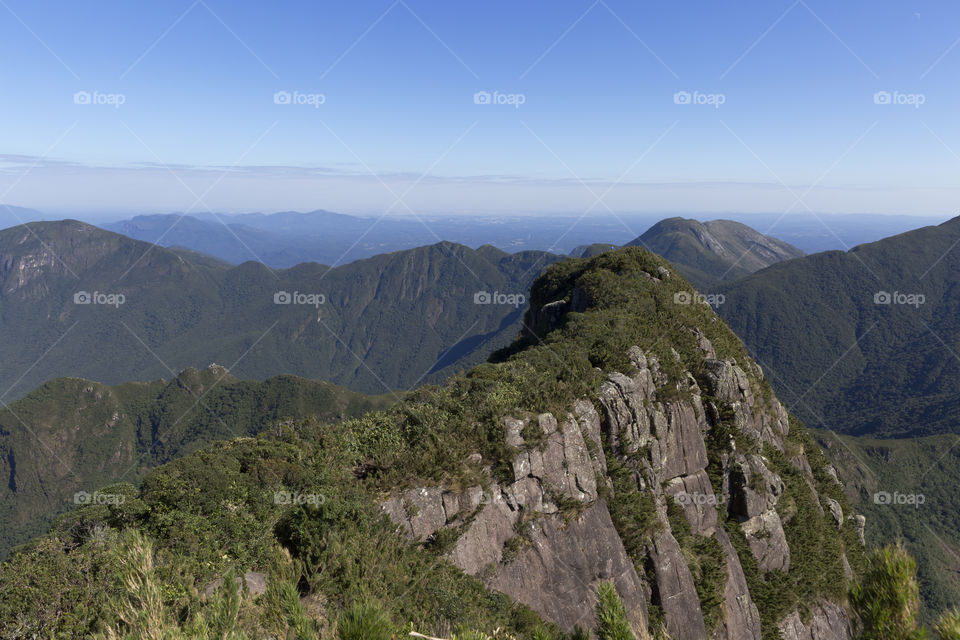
(676, 590)
(827, 622)
(768, 542)
(741, 620)
(546, 537)
(695, 495)
(558, 573)
(836, 511)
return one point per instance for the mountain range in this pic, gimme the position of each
(878, 328)
(285, 239)
(625, 449)
(859, 342)
(79, 301)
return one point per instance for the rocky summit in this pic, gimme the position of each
(624, 441)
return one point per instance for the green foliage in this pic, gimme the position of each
(121, 432)
(948, 626)
(927, 467)
(185, 308)
(634, 512)
(612, 623)
(364, 621)
(887, 599)
(842, 362)
(214, 514)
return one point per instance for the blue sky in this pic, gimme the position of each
(798, 125)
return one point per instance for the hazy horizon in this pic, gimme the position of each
(422, 108)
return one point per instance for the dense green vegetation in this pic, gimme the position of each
(839, 360)
(73, 435)
(907, 489)
(887, 601)
(328, 551)
(387, 322)
(844, 363)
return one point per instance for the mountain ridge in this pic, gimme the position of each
(182, 310)
(717, 250)
(621, 426)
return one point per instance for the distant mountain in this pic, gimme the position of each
(280, 240)
(74, 435)
(392, 321)
(591, 250)
(283, 240)
(707, 252)
(863, 342)
(814, 232)
(11, 216)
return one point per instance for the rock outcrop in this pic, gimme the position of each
(544, 535)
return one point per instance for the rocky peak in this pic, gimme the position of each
(549, 533)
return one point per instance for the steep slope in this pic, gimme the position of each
(623, 438)
(73, 435)
(864, 341)
(391, 321)
(706, 252)
(907, 489)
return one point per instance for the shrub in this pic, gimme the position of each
(887, 599)
(364, 621)
(612, 623)
(948, 627)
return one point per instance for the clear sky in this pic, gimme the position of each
(674, 106)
